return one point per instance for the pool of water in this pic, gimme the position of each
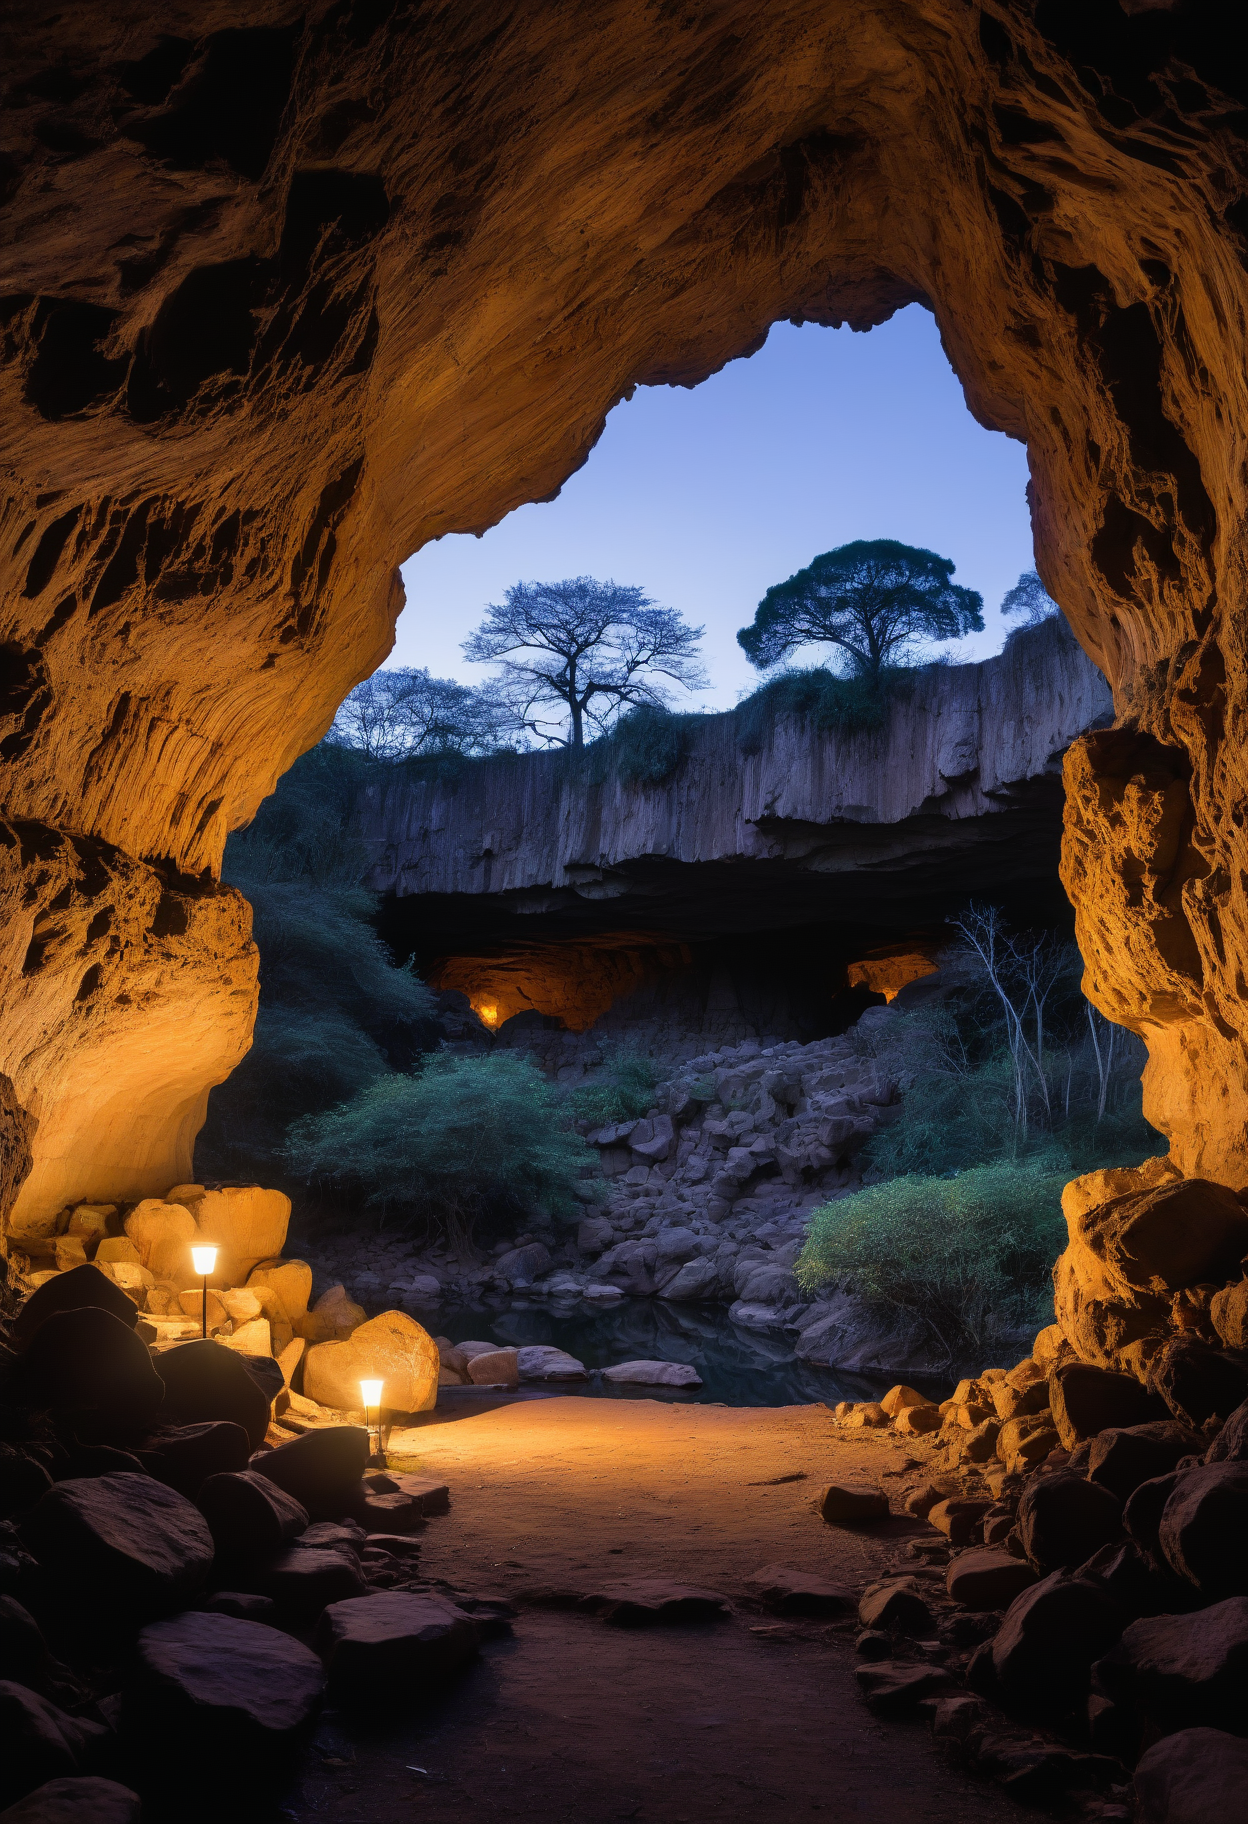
(738, 1367)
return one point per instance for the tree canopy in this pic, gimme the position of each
(1029, 600)
(575, 654)
(876, 600)
(405, 712)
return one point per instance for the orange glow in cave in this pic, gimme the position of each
(575, 982)
(486, 1012)
(888, 972)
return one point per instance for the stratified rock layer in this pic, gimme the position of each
(289, 294)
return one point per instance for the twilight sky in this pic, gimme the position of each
(707, 497)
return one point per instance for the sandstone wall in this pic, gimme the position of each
(289, 292)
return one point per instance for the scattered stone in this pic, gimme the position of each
(980, 1445)
(791, 1592)
(868, 1415)
(290, 1282)
(1085, 1400)
(248, 1515)
(600, 1294)
(1063, 1519)
(1198, 1382)
(208, 1693)
(322, 1469)
(1051, 1634)
(76, 1801)
(1142, 1514)
(871, 1644)
(1195, 1776)
(82, 1287)
(852, 1504)
(987, 1578)
(897, 1605)
(392, 1348)
(1182, 1671)
(303, 1579)
(204, 1381)
(1026, 1441)
(958, 1518)
(896, 1687)
(543, 1363)
(381, 1649)
(914, 1421)
(648, 1600)
(184, 1456)
(243, 1605)
(921, 1501)
(85, 1360)
(40, 1742)
(117, 1250)
(653, 1374)
(899, 1397)
(500, 1368)
(1204, 1529)
(388, 1511)
(253, 1339)
(122, 1545)
(1123, 1457)
(1036, 1772)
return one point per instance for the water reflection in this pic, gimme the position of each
(738, 1367)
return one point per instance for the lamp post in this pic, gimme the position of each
(204, 1260)
(371, 1391)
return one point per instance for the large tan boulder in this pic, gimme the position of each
(1159, 1241)
(1095, 1188)
(246, 1224)
(163, 1234)
(392, 1348)
(289, 1281)
(1096, 1316)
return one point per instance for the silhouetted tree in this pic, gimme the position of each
(876, 600)
(587, 648)
(1029, 600)
(405, 711)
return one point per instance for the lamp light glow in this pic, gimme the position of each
(371, 1393)
(205, 1259)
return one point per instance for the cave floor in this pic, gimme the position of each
(576, 1721)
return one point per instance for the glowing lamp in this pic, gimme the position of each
(371, 1393)
(204, 1260)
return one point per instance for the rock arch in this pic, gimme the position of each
(290, 293)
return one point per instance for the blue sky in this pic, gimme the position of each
(706, 497)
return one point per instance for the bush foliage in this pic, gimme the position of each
(964, 1256)
(466, 1138)
(625, 1096)
(820, 698)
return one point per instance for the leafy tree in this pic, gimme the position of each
(875, 600)
(584, 650)
(1030, 600)
(395, 714)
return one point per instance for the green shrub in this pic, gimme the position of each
(466, 1138)
(625, 1096)
(647, 746)
(821, 698)
(964, 1256)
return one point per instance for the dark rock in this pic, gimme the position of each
(265, 1372)
(380, 1649)
(1204, 1529)
(184, 1456)
(896, 1604)
(988, 1577)
(395, 1545)
(1136, 1583)
(88, 1361)
(1050, 1636)
(1198, 1382)
(336, 1532)
(392, 1513)
(208, 1696)
(40, 1742)
(304, 1579)
(959, 1519)
(1085, 1400)
(1173, 1235)
(852, 1504)
(1180, 1671)
(83, 1460)
(20, 1574)
(22, 1480)
(872, 1644)
(1142, 1514)
(242, 1605)
(647, 1600)
(322, 1469)
(206, 1381)
(76, 1801)
(1231, 1443)
(81, 1288)
(434, 1496)
(1124, 1456)
(24, 1655)
(1228, 1310)
(1063, 1519)
(124, 1546)
(1035, 1772)
(1195, 1776)
(248, 1515)
(895, 1687)
(790, 1592)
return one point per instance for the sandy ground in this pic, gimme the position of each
(574, 1721)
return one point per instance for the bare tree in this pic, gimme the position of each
(404, 712)
(586, 651)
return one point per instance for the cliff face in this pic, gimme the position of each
(291, 290)
(960, 793)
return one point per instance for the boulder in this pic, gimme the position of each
(653, 1374)
(917, 1421)
(393, 1349)
(1198, 1382)
(242, 1605)
(1181, 1671)
(1012, 1402)
(498, 1368)
(208, 1696)
(852, 1504)
(958, 1518)
(897, 1605)
(1141, 1514)
(24, 1653)
(88, 1361)
(897, 1687)
(380, 1650)
(1025, 1441)
(697, 1279)
(184, 1456)
(594, 1235)
(1124, 1456)
(162, 1234)
(41, 1743)
(645, 1601)
(1203, 1532)
(1063, 1519)
(1195, 1776)
(89, 1800)
(333, 1318)
(523, 1264)
(540, 1362)
(245, 1223)
(387, 1511)
(120, 1545)
(290, 1282)
(253, 1338)
(790, 1592)
(322, 1469)
(1231, 1443)
(117, 1250)
(205, 1309)
(248, 1515)
(987, 1577)
(23, 1479)
(1183, 1233)
(204, 1381)
(901, 1396)
(1228, 1311)
(1051, 1634)
(867, 1415)
(81, 1286)
(1085, 1400)
(303, 1579)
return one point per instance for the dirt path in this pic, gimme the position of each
(575, 1721)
